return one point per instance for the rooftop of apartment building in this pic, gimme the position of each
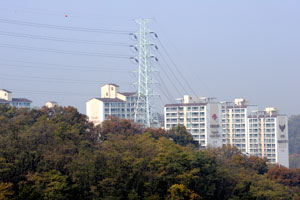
(5, 90)
(268, 112)
(110, 93)
(110, 99)
(188, 100)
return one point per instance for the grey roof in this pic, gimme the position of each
(4, 101)
(21, 100)
(112, 84)
(186, 104)
(6, 90)
(128, 93)
(51, 102)
(110, 99)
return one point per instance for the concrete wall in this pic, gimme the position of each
(93, 111)
(5, 95)
(214, 124)
(282, 141)
(109, 91)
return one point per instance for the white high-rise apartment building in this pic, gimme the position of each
(201, 117)
(234, 123)
(257, 133)
(268, 136)
(111, 103)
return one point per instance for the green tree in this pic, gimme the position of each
(180, 192)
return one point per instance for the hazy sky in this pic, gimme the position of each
(225, 49)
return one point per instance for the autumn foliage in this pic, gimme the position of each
(57, 154)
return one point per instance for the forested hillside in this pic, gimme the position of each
(57, 154)
(294, 141)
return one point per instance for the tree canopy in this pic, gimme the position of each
(57, 154)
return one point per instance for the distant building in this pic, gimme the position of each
(234, 123)
(6, 98)
(257, 133)
(51, 104)
(201, 117)
(239, 124)
(111, 103)
(268, 136)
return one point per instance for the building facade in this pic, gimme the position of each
(111, 103)
(268, 136)
(234, 123)
(239, 124)
(6, 98)
(256, 133)
(201, 117)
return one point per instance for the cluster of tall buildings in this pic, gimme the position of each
(211, 123)
(239, 124)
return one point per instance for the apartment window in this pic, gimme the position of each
(196, 136)
(195, 131)
(195, 108)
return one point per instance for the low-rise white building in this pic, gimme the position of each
(201, 117)
(111, 103)
(51, 104)
(6, 98)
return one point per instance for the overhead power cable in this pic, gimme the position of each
(50, 92)
(67, 28)
(173, 73)
(47, 79)
(171, 81)
(58, 39)
(174, 64)
(63, 65)
(62, 68)
(166, 91)
(79, 53)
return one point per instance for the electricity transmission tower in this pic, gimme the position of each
(144, 105)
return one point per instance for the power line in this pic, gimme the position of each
(50, 92)
(60, 65)
(62, 13)
(79, 53)
(166, 92)
(171, 81)
(46, 79)
(60, 68)
(178, 71)
(58, 39)
(66, 28)
(174, 74)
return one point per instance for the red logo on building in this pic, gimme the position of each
(214, 116)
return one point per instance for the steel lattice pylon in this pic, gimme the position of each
(143, 111)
